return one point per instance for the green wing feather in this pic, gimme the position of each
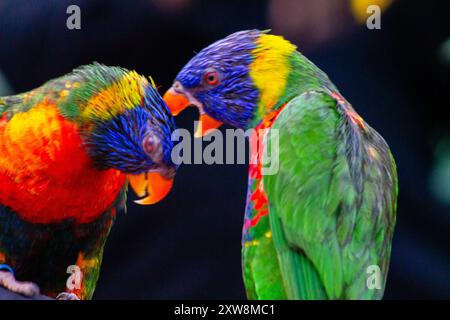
(332, 202)
(90, 79)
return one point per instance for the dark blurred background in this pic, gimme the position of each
(188, 245)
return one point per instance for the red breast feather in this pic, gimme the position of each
(45, 173)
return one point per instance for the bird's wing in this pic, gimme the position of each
(68, 91)
(332, 202)
(11, 105)
(54, 90)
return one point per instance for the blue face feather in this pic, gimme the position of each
(137, 140)
(218, 77)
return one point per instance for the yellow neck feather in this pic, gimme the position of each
(270, 69)
(124, 94)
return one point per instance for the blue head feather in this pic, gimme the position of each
(234, 99)
(119, 142)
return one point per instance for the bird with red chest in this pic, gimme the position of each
(68, 151)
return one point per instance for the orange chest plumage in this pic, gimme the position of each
(45, 173)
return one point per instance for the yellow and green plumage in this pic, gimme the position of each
(314, 228)
(66, 150)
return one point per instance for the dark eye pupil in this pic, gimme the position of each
(211, 78)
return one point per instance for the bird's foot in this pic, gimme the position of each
(67, 296)
(8, 281)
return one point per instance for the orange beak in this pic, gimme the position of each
(205, 125)
(151, 185)
(178, 100)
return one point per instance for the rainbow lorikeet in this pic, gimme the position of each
(68, 150)
(321, 226)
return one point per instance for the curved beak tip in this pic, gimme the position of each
(152, 186)
(175, 101)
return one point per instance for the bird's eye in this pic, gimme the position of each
(149, 144)
(212, 77)
(153, 148)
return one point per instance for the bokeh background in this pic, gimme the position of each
(188, 246)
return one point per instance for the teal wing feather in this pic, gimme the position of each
(332, 202)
